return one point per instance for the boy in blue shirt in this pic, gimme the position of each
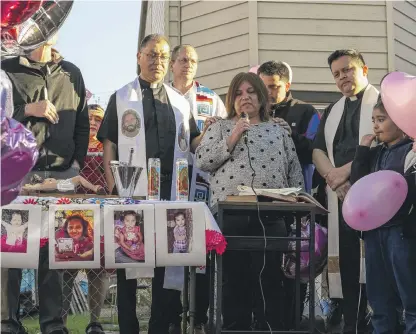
(390, 250)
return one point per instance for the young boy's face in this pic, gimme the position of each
(384, 128)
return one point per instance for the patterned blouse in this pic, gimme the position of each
(271, 152)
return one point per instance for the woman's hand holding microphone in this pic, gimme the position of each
(242, 125)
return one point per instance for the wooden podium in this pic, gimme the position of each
(244, 243)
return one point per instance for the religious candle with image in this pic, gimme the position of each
(182, 181)
(153, 179)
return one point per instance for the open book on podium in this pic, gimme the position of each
(288, 195)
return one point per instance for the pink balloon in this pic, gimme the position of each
(398, 92)
(374, 200)
(254, 69)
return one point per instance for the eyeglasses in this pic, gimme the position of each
(153, 56)
(184, 61)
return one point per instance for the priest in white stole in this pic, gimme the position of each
(155, 121)
(342, 126)
(205, 106)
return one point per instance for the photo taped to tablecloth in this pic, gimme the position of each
(180, 234)
(74, 236)
(129, 236)
(20, 235)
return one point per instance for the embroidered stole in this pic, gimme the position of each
(332, 123)
(129, 104)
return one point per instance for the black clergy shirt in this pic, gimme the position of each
(347, 135)
(159, 123)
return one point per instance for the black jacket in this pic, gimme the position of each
(369, 160)
(62, 143)
(304, 121)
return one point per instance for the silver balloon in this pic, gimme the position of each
(33, 33)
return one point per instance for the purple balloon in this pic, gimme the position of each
(321, 252)
(8, 196)
(18, 156)
(18, 147)
(373, 200)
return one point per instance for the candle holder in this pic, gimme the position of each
(126, 178)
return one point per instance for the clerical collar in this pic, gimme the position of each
(359, 96)
(145, 84)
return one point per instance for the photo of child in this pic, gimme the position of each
(128, 236)
(74, 235)
(179, 230)
(14, 226)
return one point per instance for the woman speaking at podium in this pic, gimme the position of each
(249, 150)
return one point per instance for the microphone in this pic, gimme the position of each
(245, 134)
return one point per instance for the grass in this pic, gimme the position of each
(76, 324)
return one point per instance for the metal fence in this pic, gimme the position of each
(91, 289)
(94, 291)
